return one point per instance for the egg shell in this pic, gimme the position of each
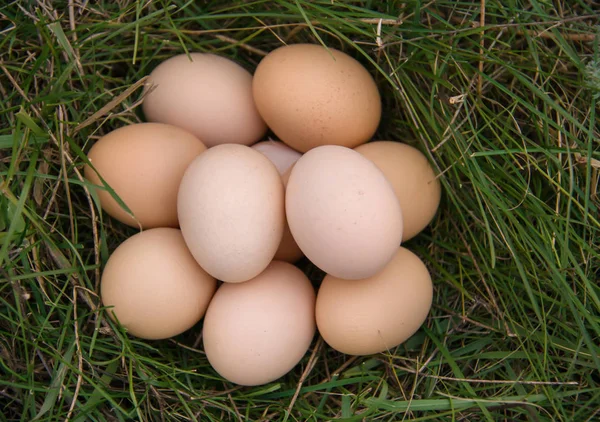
(257, 331)
(362, 317)
(279, 153)
(288, 250)
(154, 286)
(310, 95)
(209, 95)
(231, 211)
(143, 163)
(343, 212)
(413, 179)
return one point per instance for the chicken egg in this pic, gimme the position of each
(154, 287)
(288, 250)
(257, 331)
(362, 317)
(143, 163)
(208, 95)
(310, 95)
(231, 211)
(279, 153)
(413, 179)
(343, 212)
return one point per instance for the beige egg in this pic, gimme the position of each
(311, 96)
(257, 331)
(206, 94)
(143, 164)
(343, 212)
(413, 179)
(153, 285)
(362, 317)
(231, 211)
(279, 153)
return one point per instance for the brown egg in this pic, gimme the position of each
(279, 153)
(342, 212)
(311, 96)
(154, 286)
(231, 211)
(289, 250)
(257, 331)
(143, 164)
(209, 95)
(362, 317)
(413, 180)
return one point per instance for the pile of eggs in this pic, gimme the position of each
(216, 205)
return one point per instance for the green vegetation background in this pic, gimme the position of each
(507, 113)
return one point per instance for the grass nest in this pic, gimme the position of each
(501, 96)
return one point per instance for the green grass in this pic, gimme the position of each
(514, 333)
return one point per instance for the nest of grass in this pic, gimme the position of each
(503, 99)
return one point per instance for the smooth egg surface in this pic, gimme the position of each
(231, 211)
(343, 212)
(413, 179)
(257, 331)
(279, 153)
(288, 250)
(206, 94)
(143, 163)
(362, 317)
(310, 95)
(153, 285)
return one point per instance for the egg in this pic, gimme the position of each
(288, 250)
(208, 95)
(279, 153)
(362, 317)
(153, 286)
(343, 212)
(310, 95)
(255, 332)
(231, 211)
(413, 179)
(143, 164)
